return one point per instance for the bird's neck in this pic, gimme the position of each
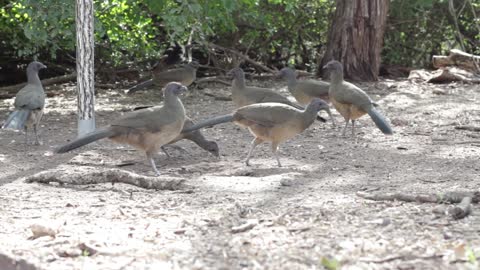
(336, 77)
(238, 82)
(173, 101)
(309, 116)
(291, 82)
(33, 78)
(200, 140)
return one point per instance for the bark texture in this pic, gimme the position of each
(85, 66)
(356, 37)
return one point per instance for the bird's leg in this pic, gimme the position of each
(353, 128)
(165, 151)
(36, 136)
(345, 127)
(26, 138)
(274, 151)
(254, 143)
(152, 162)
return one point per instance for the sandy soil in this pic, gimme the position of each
(305, 215)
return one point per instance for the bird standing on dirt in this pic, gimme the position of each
(146, 129)
(185, 75)
(243, 95)
(271, 122)
(305, 90)
(352, 102)
(29, 103)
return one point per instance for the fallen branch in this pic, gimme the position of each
(447, 197)
(461, 210)
(244, 57)
(463, 198)
(87, 175)
(468, 127)
(457, 58)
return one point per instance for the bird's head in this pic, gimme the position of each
(318, 105)
(334, 66)
(175, 88)
(286, 72)
(236, 72)
(212, 148)
(36, 66)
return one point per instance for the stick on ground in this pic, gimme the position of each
(87, 175)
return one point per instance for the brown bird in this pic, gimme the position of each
(269, 122)
(185, 75)
(305, 90)
(243, 95)
(29, 103)
(194, 136)
(146, 129)
(352, 102)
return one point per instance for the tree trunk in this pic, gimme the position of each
(356, 37)
(85, 67)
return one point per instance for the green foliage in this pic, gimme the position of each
(330, 264)
(417, 30)
(276, 32)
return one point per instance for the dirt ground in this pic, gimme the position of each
(304, 215)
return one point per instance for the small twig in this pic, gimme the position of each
(468, 127)
(250, 224)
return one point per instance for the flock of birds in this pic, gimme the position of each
(269, 116)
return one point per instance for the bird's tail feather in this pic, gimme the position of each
(380, 121)
(140, 86)
(210, 122)
(17, 119)
(88, 138)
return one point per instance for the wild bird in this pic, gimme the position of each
(146, 129)
(305, 90)
(352, 102)
(185, 75)
(29, 103)
(243, 95)
(269, 122)
(195, 136)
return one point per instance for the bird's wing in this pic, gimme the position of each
(30, 97)
(353, 95)
(313, 88)
(153, 119)
(267, 114)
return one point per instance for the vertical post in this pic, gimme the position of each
(85, 65)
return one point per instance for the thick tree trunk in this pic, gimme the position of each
(356, 37)
(85, 67)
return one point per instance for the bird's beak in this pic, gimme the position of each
(183, 89)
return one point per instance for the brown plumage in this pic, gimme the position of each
(146, 129)
(269, 122)
(243, 95)
(352, 102)
(305, 90)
